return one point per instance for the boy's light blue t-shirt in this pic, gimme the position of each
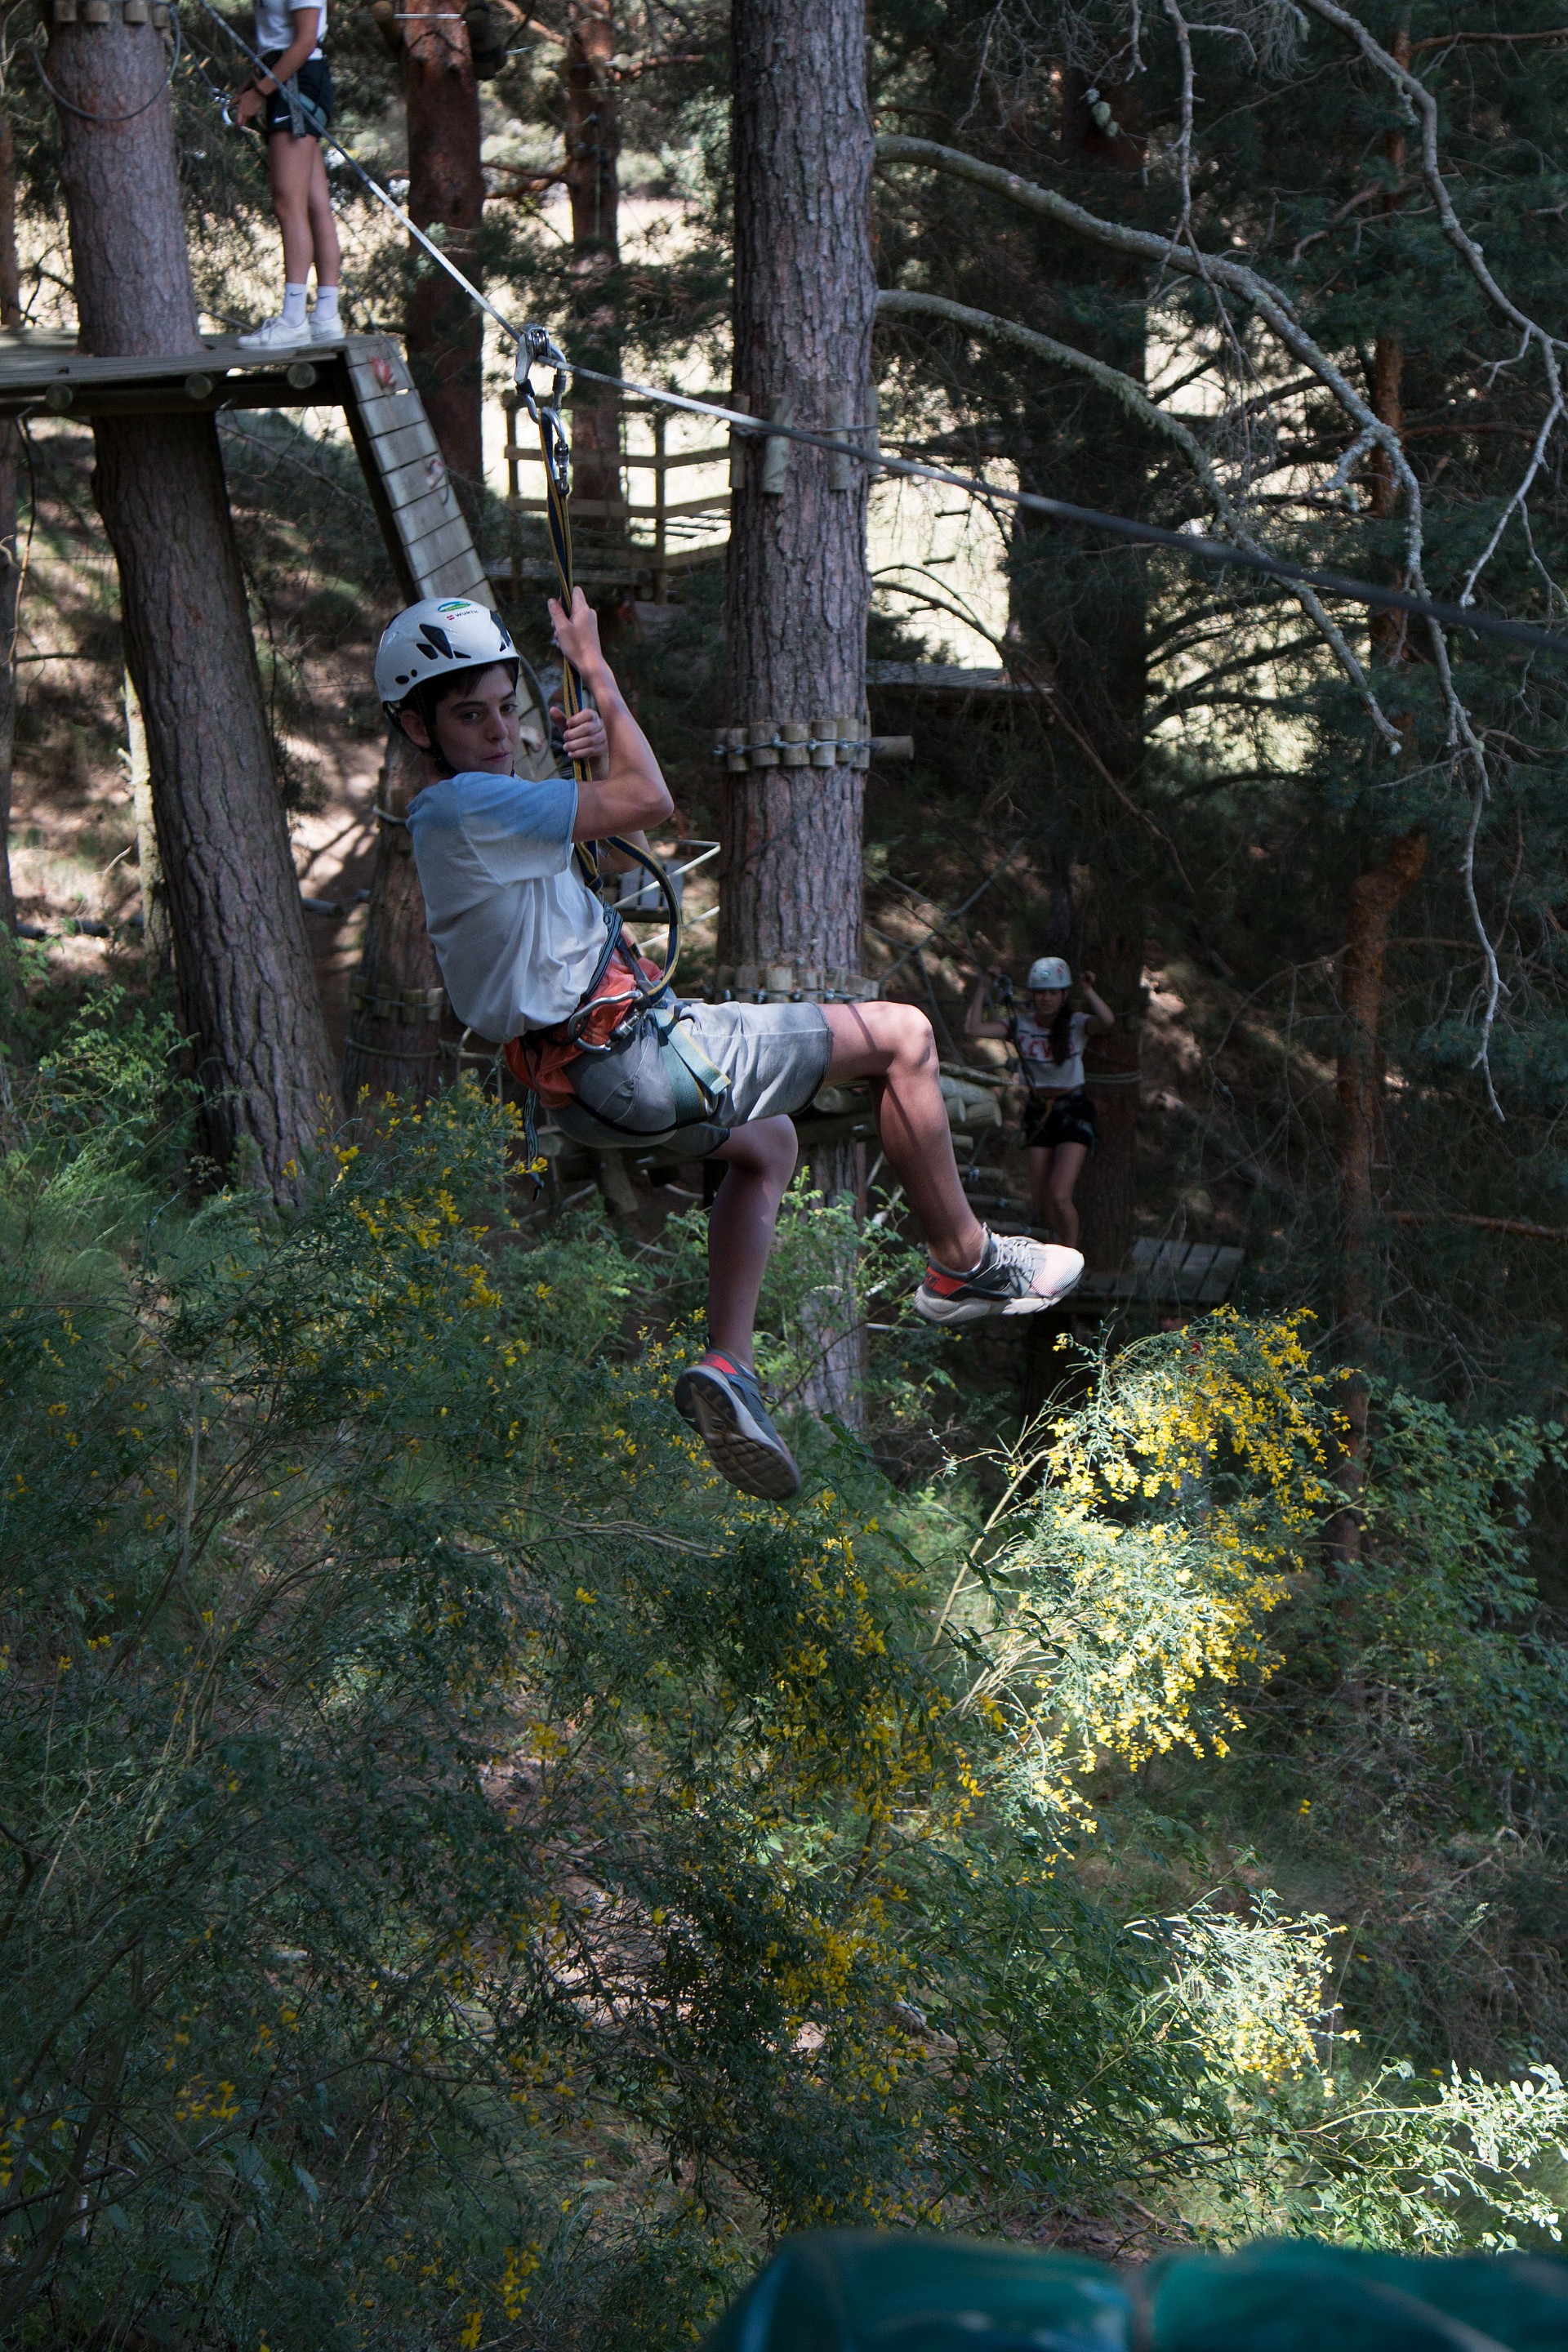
(516, 930)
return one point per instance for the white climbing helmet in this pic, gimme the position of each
(1049, 971)
(434, 638)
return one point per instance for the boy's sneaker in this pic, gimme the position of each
(1015, 1276)
(724, 1404)
(277, 335)
(327, 331)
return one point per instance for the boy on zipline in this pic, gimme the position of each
(531, 958)
(1060, 1128)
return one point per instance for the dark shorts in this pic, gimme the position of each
(314, 81)
(1066, 1119)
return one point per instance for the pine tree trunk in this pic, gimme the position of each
(444, 334)
(157, 947)
(1079, 604)
(1359, 1088)
(1359, 1075)
(395, 1000)
(10, 570)
(791, 874)
(594, 186)
(248, 992)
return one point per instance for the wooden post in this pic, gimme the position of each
(248, 990)
(798, 588)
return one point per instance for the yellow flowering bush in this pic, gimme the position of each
(468, 1876)
(1118, 1595)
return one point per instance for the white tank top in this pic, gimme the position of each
(1042, 1075)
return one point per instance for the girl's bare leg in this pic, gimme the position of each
(892, 1045)
(1039, 1184)
(323, 227)
(1067, 1167)
(741, 1225)
(289, 161)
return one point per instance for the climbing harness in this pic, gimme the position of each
(1190, 545)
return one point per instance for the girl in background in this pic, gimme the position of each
(1060, 1128)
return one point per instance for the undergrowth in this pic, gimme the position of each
(468, 1878)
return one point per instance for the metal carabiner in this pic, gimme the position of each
(536, 349)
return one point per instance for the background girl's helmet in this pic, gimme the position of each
(1050, 972)
(434, 639)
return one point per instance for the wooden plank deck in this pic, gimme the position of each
(365, 375)
(1182, 1273)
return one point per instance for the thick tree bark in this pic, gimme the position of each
(447, 196)
(791, 875)
(396, 1003)
(156, 944)
(1360, 1071)
(248, 992)
(10, 570)
(594, 186)
(1359, 1086)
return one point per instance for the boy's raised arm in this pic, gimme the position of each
(632, 794)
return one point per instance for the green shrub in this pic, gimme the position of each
(468, 1876)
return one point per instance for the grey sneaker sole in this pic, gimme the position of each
(934, 1309)
(749, 1456)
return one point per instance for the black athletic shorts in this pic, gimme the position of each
(1051, 1119)
(314, 81)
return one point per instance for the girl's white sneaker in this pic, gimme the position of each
(276, 335)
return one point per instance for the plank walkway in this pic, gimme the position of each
(1179, 1274)
(365, 375)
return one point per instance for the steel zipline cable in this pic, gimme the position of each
(534, 347)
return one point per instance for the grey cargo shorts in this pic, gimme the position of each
(774, 1057)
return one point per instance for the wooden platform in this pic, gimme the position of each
(365, 375)
(1172, 1273)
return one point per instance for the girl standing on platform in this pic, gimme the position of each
(289, 42)
(1059, 1125)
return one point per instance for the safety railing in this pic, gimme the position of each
(647, 533)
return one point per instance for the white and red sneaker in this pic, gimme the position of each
(1014, 1276)
(724, 1404)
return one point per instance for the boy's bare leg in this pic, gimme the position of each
(892, 1045)
(741, 1224)
(718, 1393)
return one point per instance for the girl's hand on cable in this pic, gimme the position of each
(577, 633)
(583, 736)
(246, 103)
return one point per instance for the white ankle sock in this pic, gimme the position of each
(293, 306)
(326, 305)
